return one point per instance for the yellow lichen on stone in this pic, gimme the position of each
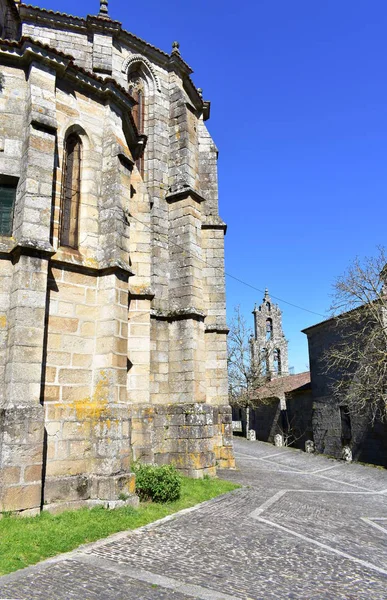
(91, 262)
(94, 407)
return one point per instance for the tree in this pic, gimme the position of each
(244, 375)
(250, 382)
(356, 362)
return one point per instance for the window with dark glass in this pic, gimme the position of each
(137, 91)
(71, 192)
(7, 203)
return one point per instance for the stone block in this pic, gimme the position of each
(33, 473)
(10, 475)
(21, 497)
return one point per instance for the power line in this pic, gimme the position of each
(245, 283)
(275, 297)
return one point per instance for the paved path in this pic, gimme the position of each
(304, 526)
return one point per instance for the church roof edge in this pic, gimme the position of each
(83, 20)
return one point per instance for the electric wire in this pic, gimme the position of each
(241, 281)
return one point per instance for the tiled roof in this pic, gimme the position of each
(283, 385)
(83, 20)
(50, 12)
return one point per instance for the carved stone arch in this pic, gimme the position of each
(87, 194)
(135, 60)
(71, 191)
(78, 129)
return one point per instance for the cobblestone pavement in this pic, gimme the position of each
(303, 526)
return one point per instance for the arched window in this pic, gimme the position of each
(137, 91)
(264, 361)
(277, 361)
(71, 192)
(269, 329)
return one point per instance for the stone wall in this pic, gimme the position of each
(65, 434)
(115, 347)
(368, 442)
(196, 438)
(299, 405)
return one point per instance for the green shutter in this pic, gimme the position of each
(7, 201)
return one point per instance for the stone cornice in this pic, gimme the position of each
(214, 222)
(206, 110)
(141, 293)
(30, 50)
(72, 259)
(179, 314)
(172, 61)
(103, 25)
(31, 247)
(27, 50)
(220, 328)
(182, 193)
(63, 20)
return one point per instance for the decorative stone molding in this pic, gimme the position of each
(138, 58)
(178, 314)
(180, 194)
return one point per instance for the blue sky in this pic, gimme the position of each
(299, 114)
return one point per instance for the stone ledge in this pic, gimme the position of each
(214, 222)
(182, 193)
(178, 314)
(77, 261)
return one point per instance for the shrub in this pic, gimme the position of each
(160, 484)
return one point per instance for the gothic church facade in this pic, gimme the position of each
(112, 312)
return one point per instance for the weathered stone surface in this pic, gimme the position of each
(334, 425)
(112, 300)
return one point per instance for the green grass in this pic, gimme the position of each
(26, 541)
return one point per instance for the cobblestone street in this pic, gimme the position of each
(303, 526)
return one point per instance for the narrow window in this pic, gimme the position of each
(136, 90)
(277, 361)
(264, 365)
(7, 203)
(71, 192)
(269, 329)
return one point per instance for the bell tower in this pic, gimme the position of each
(269, 346)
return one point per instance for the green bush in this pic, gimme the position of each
(160, 484)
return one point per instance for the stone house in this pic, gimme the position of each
(334, 424)
(112, 298)
(281, 403)
(283, 406)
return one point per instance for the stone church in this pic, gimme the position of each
(112, 297)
